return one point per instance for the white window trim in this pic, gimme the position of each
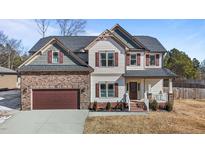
(106, 86)
(52, 57)
(106, 52)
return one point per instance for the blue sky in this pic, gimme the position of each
(186, 35)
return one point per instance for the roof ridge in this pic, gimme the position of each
(69, 36)
(144, 36)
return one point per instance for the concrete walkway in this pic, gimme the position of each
(94, 114)
(45, 122)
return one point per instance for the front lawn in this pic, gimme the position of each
(188, 116)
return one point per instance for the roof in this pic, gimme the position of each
(151, 43)
(125, 39)
(76, 43)
(149, 73)
(4, 70)
(54, 68)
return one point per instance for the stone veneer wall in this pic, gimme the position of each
(55, 80)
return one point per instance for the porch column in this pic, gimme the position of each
(149, 92)
(170, 95)
(149, 88)
(170, 86)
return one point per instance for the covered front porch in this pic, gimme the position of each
(145, 85)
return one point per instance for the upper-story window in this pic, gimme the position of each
(152, 60)
(107, 59)
(55, 57)
(135, 59)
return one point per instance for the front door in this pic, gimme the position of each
(133, 90)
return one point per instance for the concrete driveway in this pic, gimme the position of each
(10, 99)
(45, 122)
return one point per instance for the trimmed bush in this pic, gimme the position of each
(108, 106)
(154, 105)
(95, 106)
(169, 106)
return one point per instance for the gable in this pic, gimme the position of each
(42, 59)
(125, 39)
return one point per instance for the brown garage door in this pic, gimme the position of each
(55, 99)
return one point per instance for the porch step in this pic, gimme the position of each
(136, 107)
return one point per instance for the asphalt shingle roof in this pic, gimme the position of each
(151, 43)
(148, 73)
(4, 70)
(50, 68)
(76, 43)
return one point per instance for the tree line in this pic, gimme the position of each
(185, 67)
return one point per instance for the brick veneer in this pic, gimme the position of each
(55, 80)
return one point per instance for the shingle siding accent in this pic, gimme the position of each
(55, 80)
(45, 58)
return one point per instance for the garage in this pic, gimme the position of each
(56, 99)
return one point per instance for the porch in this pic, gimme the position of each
(145, 85)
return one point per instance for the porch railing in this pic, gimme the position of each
(163, 97)
(146, 101)
(127, 99)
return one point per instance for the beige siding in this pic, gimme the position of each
(111, 79)
(107, 45)
(8, 81)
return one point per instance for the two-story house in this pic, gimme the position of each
(70, 72)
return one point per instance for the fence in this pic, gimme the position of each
(187, 93)
(187, 89)
(186, 83)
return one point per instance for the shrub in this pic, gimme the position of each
(122, 106)
(95, 106)
(154, 105)
(90, 106)
(169, 106)
(108, 106)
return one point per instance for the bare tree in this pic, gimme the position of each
(42, 26)
(10, 51)
(71, 27)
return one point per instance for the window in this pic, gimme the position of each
(106, 59)
(103, 59)
(110, 59)
(110, 90)
(107, 90)
(133, 59)
(55, 57)
(103, 90)
(152, 59)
